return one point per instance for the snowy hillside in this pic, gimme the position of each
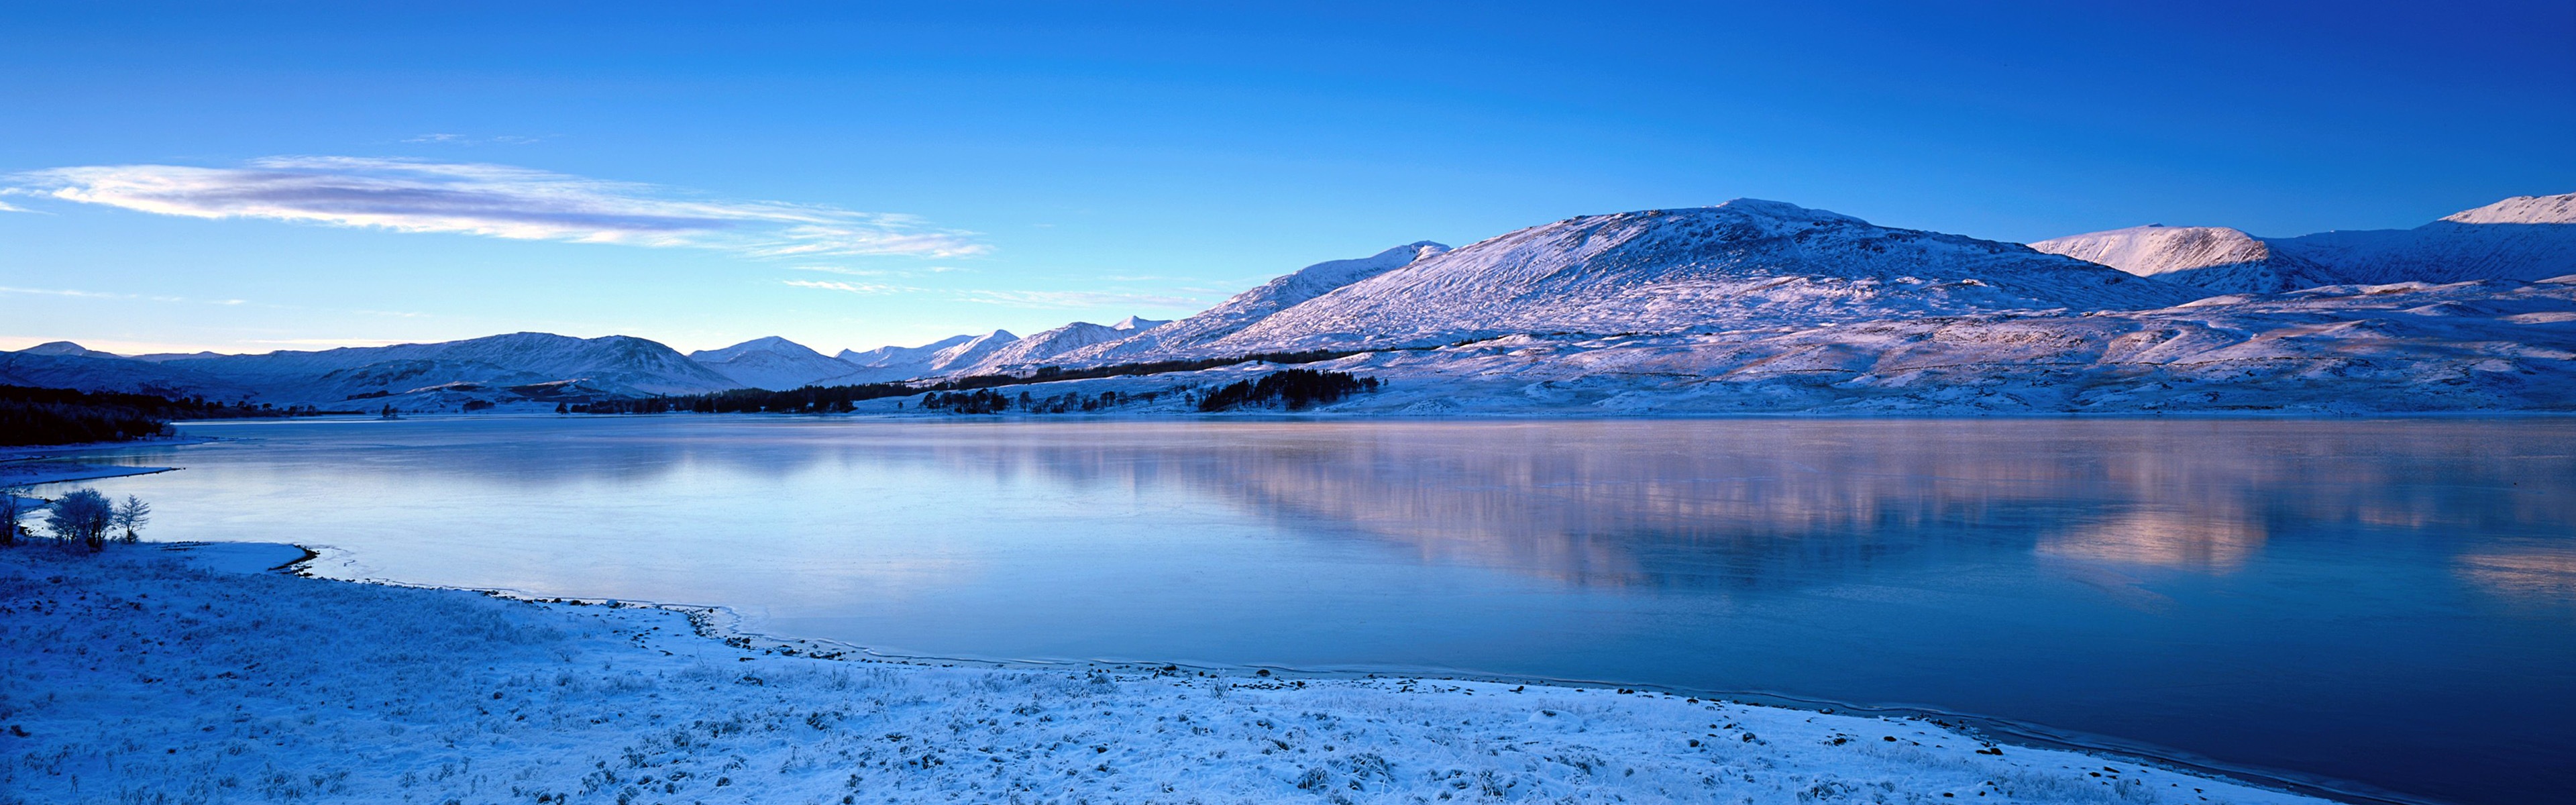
(1745, 306)
(2523, 238)
(971, 351)
(772, 363)
(2496, 345)
(58, 365)
(66, 348)
(2213, 258)
(1249, 307)
(438, 376)
(1029, 353)
(1744, 263)
(890, 363)
(613, 364)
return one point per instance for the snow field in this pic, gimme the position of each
(144, 675)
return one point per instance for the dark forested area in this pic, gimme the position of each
(37, 416)
(834, 399)
(1294, 389)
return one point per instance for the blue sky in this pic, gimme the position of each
(297, 176)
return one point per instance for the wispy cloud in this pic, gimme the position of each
(854, 272)
(459, 139)
(851, 287)
(7, 207)
(64, 292)
(1074, 299)
(491, 200)
(1055, 300)
(74, 292)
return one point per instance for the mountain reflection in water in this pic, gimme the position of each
(2392, 602)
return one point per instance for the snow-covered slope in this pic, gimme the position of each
(2558, 209)
(1745, 263)
(1042, 348)
(1244, 309)
(613, 364)
(772, 363)
(2214, 258)
(2524, 238)
(2521, 238)
(66, 348)
(2493, 345)
(891, 363)
(86, 371)
(967, 353)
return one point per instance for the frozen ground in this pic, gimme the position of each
(159, 675)
(29, 472)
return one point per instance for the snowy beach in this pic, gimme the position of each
(192, 674)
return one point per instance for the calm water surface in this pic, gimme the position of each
(2392, 603)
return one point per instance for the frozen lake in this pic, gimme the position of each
(2391, 602)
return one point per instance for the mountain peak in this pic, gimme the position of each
(66, 348)
(2216, 258)
(1781, 210)
(2558, 209)
(768, 343)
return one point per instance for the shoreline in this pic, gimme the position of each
(217, 684)
(720, 624)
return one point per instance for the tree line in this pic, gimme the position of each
(838, 399)
(38, 416)
(1294, 389)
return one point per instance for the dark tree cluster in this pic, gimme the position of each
(835, 399)
(81, 517)
(807, 400)
(979, 401)
(1294, 389)
(1071, 402)
(30, 415)
(1052, 373)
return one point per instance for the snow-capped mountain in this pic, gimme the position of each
(613, 364)
(445, 375)
(1745, 306)
(890, 363)
(965, 354)
(65, 365)
(67, 348)
(1042, 348)
(772, 363)
(1744, 263)
(2213, 258)
(2524, 238)
(1244, 309)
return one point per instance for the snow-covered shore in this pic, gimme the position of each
(148, 674)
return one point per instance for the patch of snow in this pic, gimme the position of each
(137, 676)
(772, 363)
(2215, 258)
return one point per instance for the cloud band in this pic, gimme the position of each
(490, 200)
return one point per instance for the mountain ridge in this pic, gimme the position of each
(1652, 310)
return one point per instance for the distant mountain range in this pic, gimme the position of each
(1746, 305)
(2520, 238)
